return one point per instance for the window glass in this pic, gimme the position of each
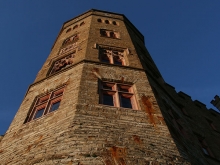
(125, 102)
(51, 102)
(105, 58)
(117, 60)
(39, 113)
(205, 151)
(118, 95)
(108, 99)
(55, 106)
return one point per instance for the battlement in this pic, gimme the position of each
(216, 102)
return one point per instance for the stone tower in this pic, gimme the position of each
(99, 99)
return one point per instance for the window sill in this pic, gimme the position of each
(103, 105)
(111, 37)
(43, 116)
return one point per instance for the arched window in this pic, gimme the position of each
(99, 20)
(76, 26)
(103, 33)
(82, 23)
(107, 21)
(68, 30)
(112, 35)
(68, 40)
(114, 23)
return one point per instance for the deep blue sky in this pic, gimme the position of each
(183, 38)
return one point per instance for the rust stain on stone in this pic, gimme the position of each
(117, 156)
(29, 148)
(149, 109)
(122, 79)
(35, 143)
(95, 71)
(108, 162)
(137, 139)
(161, 119)
(70, 163)
(39, 139)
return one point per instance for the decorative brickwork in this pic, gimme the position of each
(62, 63)
(112, 55)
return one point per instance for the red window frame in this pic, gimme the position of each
(46, 102)
(117, 91)
(111, 55)
(109, 34)
(72, 39)
(62, 63)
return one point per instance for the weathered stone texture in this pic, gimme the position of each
(84, 132)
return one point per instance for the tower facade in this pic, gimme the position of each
(99, 99)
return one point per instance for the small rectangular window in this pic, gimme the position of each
(46, 104)
(204, 146)
(39, 113)
(118, 95)
(125, 100)
(108, 99)
(109, 34)
(54, 106)
(112, 56)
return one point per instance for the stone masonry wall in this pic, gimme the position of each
(197, 123)
(85, 132)
(41, 138)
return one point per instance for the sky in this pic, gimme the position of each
(183, 38)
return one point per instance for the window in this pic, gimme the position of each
(211, 124)
(114, 23)
(76, 26)
(205, 148)
(71, 39)
(117, 94)
(62, 63)
(82, 23)
(112, 56)
(69, 48)
(68, 30)
(107, 21)
(46, 104)
(109, 34)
